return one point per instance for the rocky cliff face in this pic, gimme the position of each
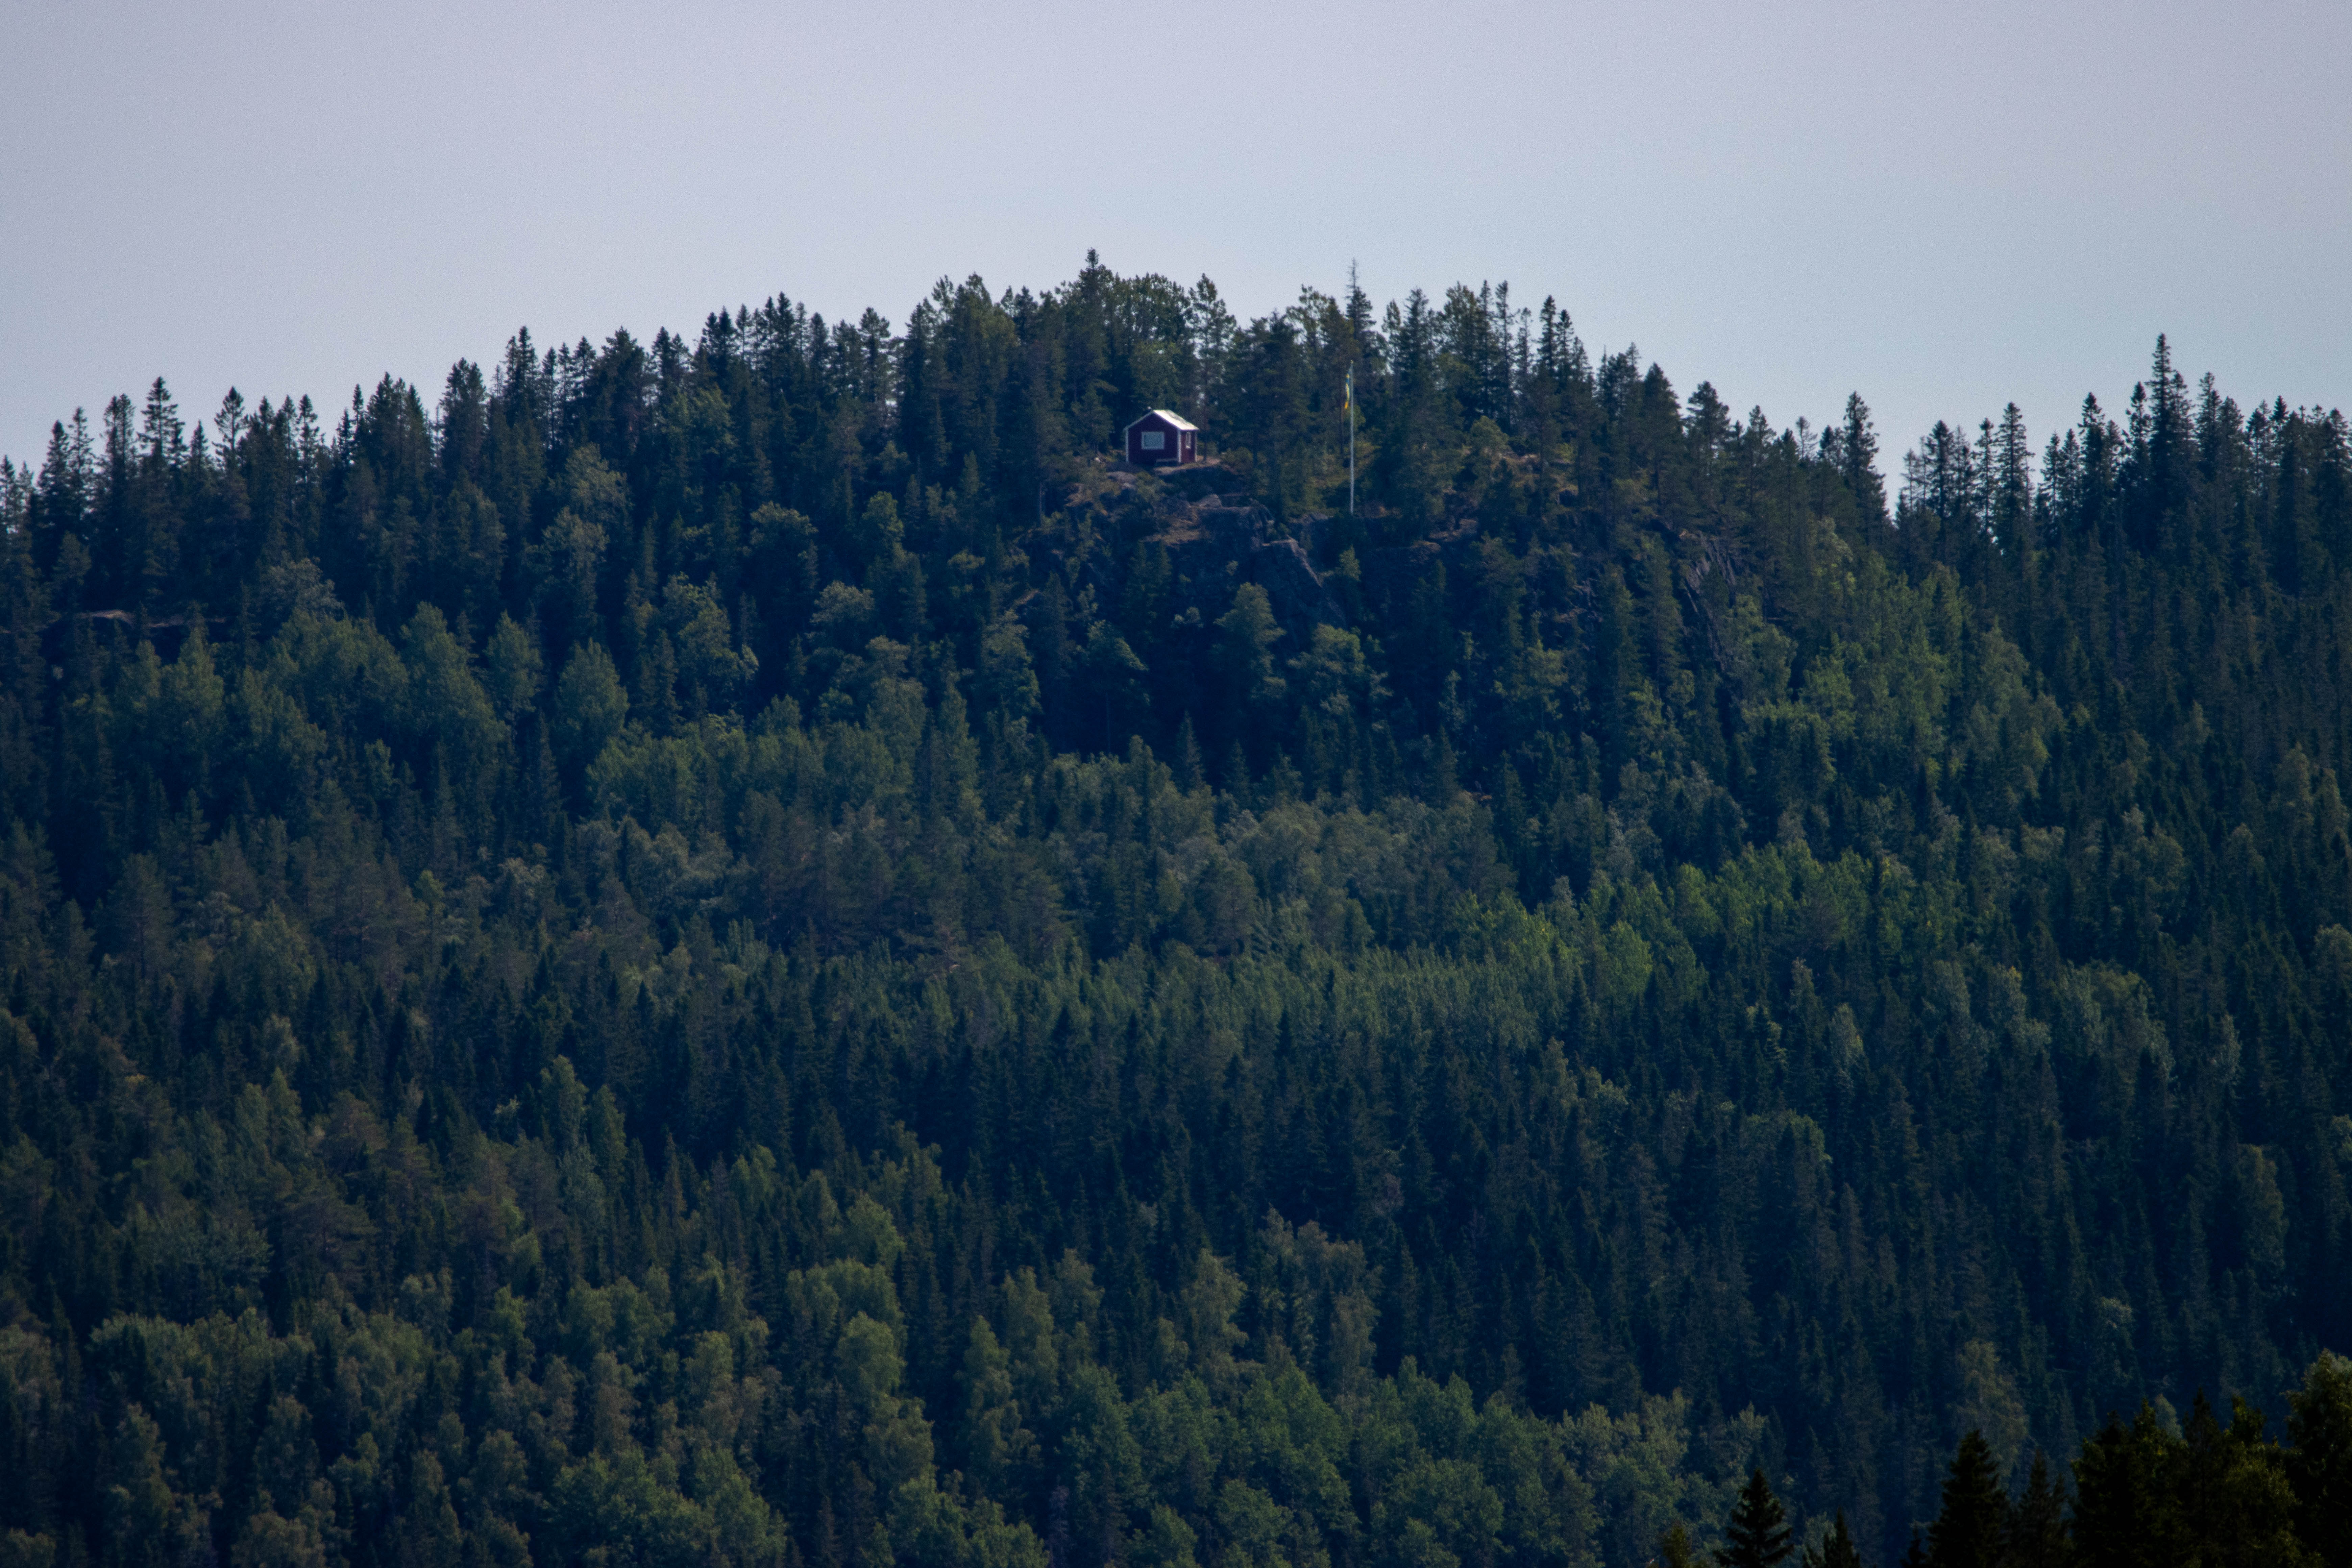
(1216, 539)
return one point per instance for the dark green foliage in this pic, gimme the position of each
(1972, 1528)
(2319, 1459)
(2205, 1493)
(613, 970)
(2126, 1502)
(2037, 1524)
(1757, 1534)
(2237, 1503)
(1837, 1548)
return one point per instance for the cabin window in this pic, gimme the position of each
(1153, 440)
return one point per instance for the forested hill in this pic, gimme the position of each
(749, 951)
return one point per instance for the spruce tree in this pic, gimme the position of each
(1837, 1548)
(2238, 1506)
(1857, 451)
(1757, 1534)
(1971, 1529)
(2037, 1525)
(2126, 1506)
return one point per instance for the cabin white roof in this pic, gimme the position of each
(1177, 420)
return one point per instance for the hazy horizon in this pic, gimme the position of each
(1943, 215)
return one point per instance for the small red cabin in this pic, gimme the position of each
(1160, 438)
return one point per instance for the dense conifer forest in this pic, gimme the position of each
(749, 951)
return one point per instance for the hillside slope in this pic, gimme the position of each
(749, 950)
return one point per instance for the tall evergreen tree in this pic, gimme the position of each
(2126, 1512)
(1858, 460)
(1971, 1530)
(1837, 1548)
(2037, 1524)
(2319, 1458)
(1755, 1535)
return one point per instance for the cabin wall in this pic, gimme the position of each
(1172, 451)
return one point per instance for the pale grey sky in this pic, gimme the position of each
(1943, 208)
